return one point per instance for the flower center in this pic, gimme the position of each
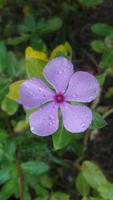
(59, 98)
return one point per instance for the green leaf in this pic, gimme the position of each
(10, 150)
(99, 46)
(29, 21)
(91, 3)
(109, 92)
(107, 60)
(98, 121)
(35, 167)
(102, 29)
(61, 138)
(9, 106)
(60, 196)
(106, 191)
(93, 174)
(34, 67)
(3, 55)
(46, 181)
(50, 25)
(101, 78)
(4, 175)
(18, 40)
(4, 84)
(81, 185)
(14, 90)
(8, 190)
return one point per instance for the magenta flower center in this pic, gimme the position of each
(59, 98)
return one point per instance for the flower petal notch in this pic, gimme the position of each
(58, 73)
(79, 87)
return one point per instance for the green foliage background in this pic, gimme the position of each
(34, 168)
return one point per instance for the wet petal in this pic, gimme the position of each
(83, 87)
(34, 92)
(44, 121)
(58, 72)
(76, 118)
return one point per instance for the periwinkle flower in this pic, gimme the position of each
(69, 86)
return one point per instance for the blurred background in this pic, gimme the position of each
(34, 168)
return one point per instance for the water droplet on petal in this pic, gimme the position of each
(32, 129)
(75, 95)
(66, 107)
(51, 117)
(40, 89)
(83, 125)
(59, 72)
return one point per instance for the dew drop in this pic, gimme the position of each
(32, 129)
(51, 122)
(59, 72)
(40, 89)
(91, 97)
(51, 117)
(66, 107)
(75, 94)
(83, 125)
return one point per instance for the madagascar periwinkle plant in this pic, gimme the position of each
(69, 87)
(56, 111)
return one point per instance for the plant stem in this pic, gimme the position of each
(109, 112)
(20, 175)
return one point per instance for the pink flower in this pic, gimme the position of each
(69, 87)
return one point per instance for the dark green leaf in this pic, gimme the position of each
(102, 29)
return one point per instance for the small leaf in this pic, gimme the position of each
(81, 185)
(91, 3)
(99, 46)
(93, 174)
(62, 49)
(29, 21)
(101, 78)
(4, 175)
(98, 121)
(106, 191)
(35, 167)
(102, 29)
(109, 92)
(34, 68)
(46, 181)
(61, 138)
(8, 190)
(107, 60)
(60, 196)
(9, 106)
(4, 84)
(50, 25)
(14, 90)
(3, 55)
(31, 53)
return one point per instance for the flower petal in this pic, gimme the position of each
(83, 87)
(34, 92)
(58, 72)
(44, 121)
(76, 118)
